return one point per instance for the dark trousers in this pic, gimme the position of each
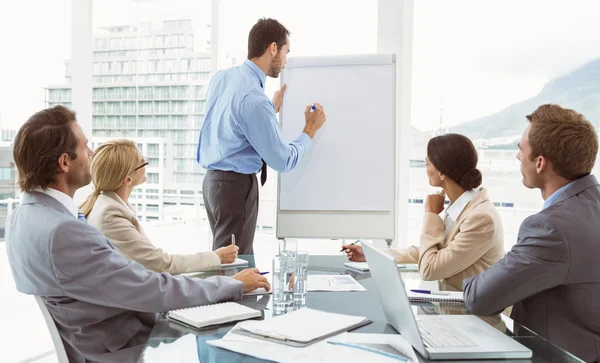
(231, 202)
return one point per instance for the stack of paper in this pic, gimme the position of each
(237, 263)
(322, 351)
(364, 267)
(333, 283)
(302, 327)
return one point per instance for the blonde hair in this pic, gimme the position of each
(111, 163)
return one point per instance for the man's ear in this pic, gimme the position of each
(64, 162)
(273, 49)
(541, 164)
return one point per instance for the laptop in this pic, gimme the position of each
(436, 336)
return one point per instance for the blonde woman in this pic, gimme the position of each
(117, 168)
(467, 239)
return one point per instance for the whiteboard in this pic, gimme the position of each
(349, 170)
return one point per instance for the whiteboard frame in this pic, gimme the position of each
(341, 224)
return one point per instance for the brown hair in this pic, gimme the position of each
(39, 144)
(566, 138)
(263, 34)
(455, 156)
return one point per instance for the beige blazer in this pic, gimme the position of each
(115, 219)
(474, 242)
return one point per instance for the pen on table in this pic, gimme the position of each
(431, 292)
(233, 239)
(351, 244)
(367, 349)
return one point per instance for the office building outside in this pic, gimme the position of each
(9, 189)
(149, 85)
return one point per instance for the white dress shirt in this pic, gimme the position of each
(455, 209)
(64, 199)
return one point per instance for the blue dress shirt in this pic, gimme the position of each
(548, 202)
(240, 127)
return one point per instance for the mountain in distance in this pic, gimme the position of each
(578, 90)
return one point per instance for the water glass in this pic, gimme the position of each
(288, 247)
(300, 279)
(283, 283)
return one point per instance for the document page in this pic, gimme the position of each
(333, 283)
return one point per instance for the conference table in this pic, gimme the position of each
(172, 342)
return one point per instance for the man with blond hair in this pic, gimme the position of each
(552, 274)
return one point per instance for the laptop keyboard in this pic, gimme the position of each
(436, 333)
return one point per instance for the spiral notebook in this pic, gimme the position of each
(201, 316)
(454, 297)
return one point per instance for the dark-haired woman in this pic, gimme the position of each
(467, 238)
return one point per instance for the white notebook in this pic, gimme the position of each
(201, 316)
(364, 267)
(302, 327)
(237, 263)
(451, 296)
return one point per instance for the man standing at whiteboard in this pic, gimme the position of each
(240, 136)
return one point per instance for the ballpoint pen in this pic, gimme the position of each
(431, 292)
(352, 244)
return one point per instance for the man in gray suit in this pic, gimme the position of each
(552, 274)
(104, 305)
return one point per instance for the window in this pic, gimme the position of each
(154, 65)
(199, 107)
(115, 43)
(152, 178)
(152, 208)
(146, 41)
(153, 163)
(6, 174)
(153, 150)
(130, 42)
(474, 88)
(178, 39)
(169, 65)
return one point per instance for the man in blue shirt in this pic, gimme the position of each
(241, 136)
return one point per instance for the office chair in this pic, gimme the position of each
(59, 347)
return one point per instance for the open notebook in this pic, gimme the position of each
(201, 316)
(450, 296)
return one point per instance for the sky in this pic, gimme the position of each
(470, 58)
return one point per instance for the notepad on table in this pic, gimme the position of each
(301, 327)
(364, 267)
(449, 296)
(237, 263)
(201, 316)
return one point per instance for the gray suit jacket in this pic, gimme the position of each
(103, 304)
(552, 274)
